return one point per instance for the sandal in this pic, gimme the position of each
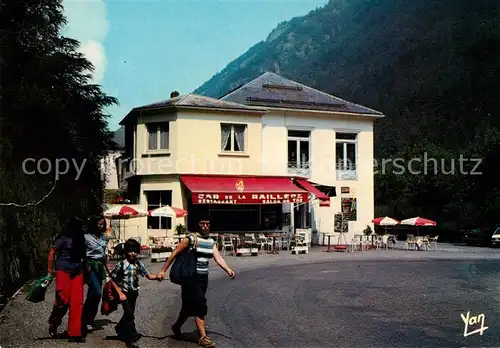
(206, 342)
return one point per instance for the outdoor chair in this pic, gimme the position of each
(357, 242)
(285, 242)
(215, 238)
(227, 243)
(384, 241)
(433, 241)
(365, 242)
(277, 243)
(264, 243)
(410, 243)
(354, 244)
(391, 241)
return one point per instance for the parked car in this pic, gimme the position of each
(478, 236)
(495, 238)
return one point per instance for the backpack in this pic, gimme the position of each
(183, 271)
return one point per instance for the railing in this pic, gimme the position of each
(301, 169)
(346, 171)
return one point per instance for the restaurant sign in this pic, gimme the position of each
(249, 198)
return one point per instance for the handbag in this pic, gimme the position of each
(38, 290)
(184, 268)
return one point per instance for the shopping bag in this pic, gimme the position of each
(38, 290)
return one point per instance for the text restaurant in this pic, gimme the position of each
(249, 203)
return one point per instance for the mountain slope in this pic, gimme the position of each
(432, 67)
(428, 65)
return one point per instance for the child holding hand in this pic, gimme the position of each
(125, 278)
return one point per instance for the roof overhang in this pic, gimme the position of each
(174, 108)
(322, 113)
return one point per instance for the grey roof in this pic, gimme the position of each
(196, 101)
(273, 91)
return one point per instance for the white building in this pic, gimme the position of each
(309, 133)
(239, 160)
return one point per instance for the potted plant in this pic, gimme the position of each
(161, 249)
(180, 229)
(367, 231)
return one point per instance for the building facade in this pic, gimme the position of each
(246, 160)
(326, 139)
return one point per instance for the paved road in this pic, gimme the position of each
(369, 299)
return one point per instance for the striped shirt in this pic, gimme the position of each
(126, 274)
(204, 252)
(96, 246)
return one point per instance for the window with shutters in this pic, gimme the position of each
(158, 136)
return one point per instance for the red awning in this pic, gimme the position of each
(214, 189)
(325, 199)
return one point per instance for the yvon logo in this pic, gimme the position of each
(473, 322)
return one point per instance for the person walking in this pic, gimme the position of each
(68, 252)
(98, 268)
(193, 294)
(125, 280)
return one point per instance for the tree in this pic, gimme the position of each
(49, 113)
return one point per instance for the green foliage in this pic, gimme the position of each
(50, 111)
(433, 68)
(180, 229)
(368, 230)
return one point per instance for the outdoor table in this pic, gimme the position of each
(245, 247)
(329, 249)
(421, 243)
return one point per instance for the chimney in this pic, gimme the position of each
(174, 94)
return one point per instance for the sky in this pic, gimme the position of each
(144, 49)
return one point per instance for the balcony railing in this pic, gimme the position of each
(346, 171)
(301, 169)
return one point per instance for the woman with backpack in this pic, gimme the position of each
(193, 293)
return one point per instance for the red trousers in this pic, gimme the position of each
(69, 295)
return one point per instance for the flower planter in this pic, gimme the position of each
(247, 249)
(160, 254)
(340, 247)
(161, 249)
(303, 249)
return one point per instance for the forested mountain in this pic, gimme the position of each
(432, 67)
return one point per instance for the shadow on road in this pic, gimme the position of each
(99, 324)
(192, 337)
